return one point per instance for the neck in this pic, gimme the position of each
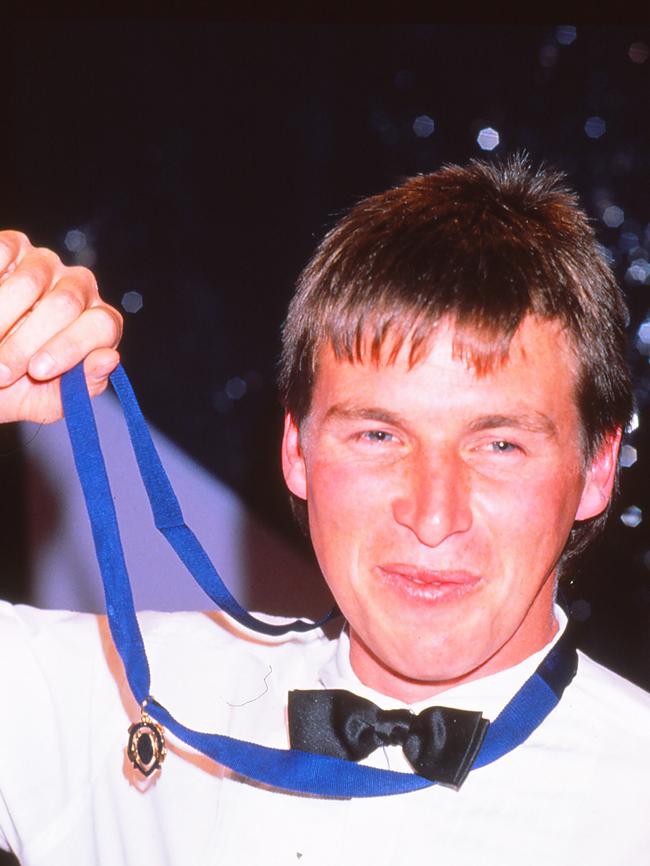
(376, 675)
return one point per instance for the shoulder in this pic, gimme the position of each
(30, 636)
(606, 702)
(45, 646)
(596, 681)
(213, 631)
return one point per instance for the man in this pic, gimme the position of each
(455, 386)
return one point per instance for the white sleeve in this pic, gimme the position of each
(50, 662)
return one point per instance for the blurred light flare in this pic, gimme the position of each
(638, 272)
(565, 34)
(87, 257)
(638, 52)
(643, 334)
(488, 138)
(595, 127)
(236, 388)
(75, 240)
(423, 126)
(628, 456)
(132, 302)
(632, 516)
(613, 216)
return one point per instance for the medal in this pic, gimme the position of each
(146, 746)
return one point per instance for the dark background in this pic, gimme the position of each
(203, 160)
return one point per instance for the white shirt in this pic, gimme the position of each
(576, 792)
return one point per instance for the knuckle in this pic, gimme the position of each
(14, 239)
(11, 244)
(69, 304)
(27, 280)
(110, 323)
(45, 257)
(83, 276)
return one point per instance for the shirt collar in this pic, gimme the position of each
(489, 693)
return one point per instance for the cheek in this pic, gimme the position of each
(346, 508)
(532, 518)
(344, 491)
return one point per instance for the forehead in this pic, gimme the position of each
(537, 367)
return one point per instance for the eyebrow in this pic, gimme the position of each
(534, 422)
(349, 411)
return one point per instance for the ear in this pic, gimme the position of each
(293, 462)
(600, 477)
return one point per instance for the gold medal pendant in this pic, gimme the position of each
(146, 746)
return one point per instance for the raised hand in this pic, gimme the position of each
(51, 317)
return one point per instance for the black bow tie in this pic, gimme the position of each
(440, 743)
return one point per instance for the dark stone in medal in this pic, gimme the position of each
(146, 747)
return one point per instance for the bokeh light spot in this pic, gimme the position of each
(423, 126)
(638, 52)
(132, 302)
(643, 334)
(235, 388)
(613, 216)
(595, 127)
(632, 516)
(488, 138)
(628, 456)
(638, 272)
(75, 240)
(565, 34)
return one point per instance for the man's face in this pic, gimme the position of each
(440, 500)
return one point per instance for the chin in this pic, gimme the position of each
(437, 670)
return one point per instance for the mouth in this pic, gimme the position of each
(427, 586)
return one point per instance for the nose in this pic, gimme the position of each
(434, 501)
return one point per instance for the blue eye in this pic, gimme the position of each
(377, 436)
(503, 447)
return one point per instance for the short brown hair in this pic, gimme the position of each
(486, 244)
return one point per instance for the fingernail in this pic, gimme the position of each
(5, 375)
(42, 365)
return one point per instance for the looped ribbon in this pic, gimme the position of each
(289, 769)
(440, 743)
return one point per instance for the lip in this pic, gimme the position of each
(425, 585)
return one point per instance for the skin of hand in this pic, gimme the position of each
(51, 317)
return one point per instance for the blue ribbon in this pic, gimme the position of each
(289, 769)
